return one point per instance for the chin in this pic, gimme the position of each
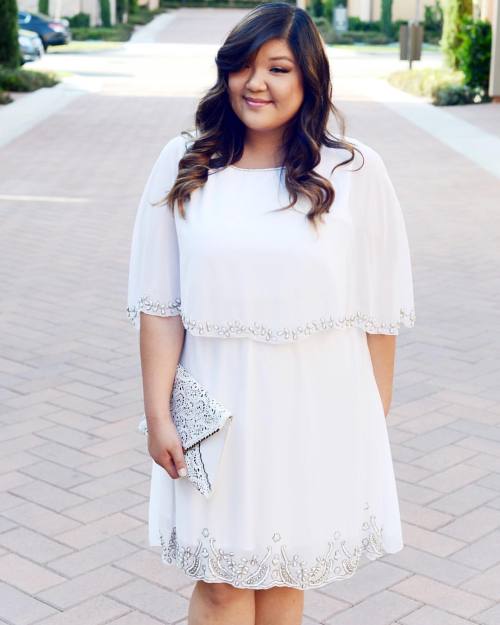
(252, 122)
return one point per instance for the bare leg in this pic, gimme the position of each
(218, 603)
(279, 605)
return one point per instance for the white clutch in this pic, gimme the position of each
(202, 423)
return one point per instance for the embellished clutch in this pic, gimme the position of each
(202, 423)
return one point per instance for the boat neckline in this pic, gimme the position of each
(256, 168)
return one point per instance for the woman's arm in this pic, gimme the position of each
(383, 351)
(161, 342)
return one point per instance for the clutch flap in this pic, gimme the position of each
(195, 412)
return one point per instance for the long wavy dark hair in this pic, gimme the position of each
(219, 135)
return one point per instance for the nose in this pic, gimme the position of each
(256, 82)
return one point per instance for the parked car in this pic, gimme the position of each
(51, 31)
(30, 45)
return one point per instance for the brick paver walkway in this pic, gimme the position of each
(74, 473)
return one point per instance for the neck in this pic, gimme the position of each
(260, 144)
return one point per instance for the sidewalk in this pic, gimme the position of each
(74, 472)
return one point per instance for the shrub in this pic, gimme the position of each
(4, 97)
(242, 4)
(449, 95)
(79, 20)
(25, 80)
(321, 22)
(474, 52)
(395, 28)
(355, 23)
(143, 16)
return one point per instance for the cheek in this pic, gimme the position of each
(234, 85)
(291, 94)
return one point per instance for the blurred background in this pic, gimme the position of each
(90, 91)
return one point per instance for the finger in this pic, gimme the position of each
(165, 462)
(180, 463)
(169, 466)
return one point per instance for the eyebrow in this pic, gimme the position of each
(276, 58)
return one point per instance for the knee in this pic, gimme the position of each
(221, 594)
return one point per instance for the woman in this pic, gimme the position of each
(279, 281)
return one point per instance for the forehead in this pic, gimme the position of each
(274, 49)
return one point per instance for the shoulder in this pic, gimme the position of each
(177, 145)
(366, 157)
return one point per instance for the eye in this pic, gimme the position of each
(280, 70)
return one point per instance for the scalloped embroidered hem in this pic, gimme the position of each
(206, 561)
(261, 332)
(147, 305)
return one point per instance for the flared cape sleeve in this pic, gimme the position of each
(382, 262)
(153, 280)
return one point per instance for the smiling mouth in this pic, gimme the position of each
(256, 103)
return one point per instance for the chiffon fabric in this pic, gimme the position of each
(276, 315)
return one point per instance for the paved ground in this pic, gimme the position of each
(73, 470)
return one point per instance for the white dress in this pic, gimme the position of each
(276, 317)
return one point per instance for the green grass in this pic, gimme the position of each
(85, 47)
(381, 49)
(423, 82)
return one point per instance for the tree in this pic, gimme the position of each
(453, 12)
(122, 10)
(386, 17)
(105, 13)
(9, 44)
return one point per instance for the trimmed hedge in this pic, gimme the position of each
(144, 16)
(354, 36)
(237, 4)
(119, 32)
(79, 20)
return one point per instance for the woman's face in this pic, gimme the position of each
(273, 77)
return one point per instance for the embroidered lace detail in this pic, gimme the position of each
(277, 335)
(147, 305)
(275, 567)
(262, 332)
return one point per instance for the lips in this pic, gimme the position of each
(256, 101)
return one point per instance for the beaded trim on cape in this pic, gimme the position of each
(275, 567)
(266, 333)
